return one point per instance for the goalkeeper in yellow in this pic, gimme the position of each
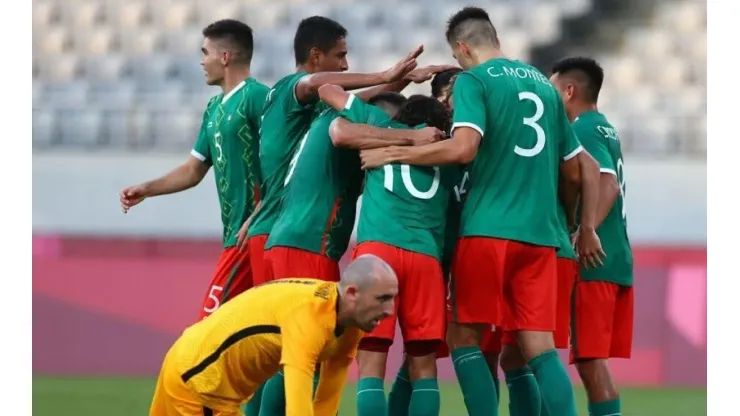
(218, 363)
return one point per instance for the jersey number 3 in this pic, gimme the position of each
(532, 122)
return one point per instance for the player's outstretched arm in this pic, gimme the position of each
(304, 336)
(307, 88)
(179, 179)
(344, 133)
(460, 149)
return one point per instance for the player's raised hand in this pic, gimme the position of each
(427, 135)
(131, 196)
(404, 66)
(426, 73)
(588, 247)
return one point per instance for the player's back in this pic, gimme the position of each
(514, 177)
(320, 196)
(406, 206)
(284, 122)
(227, 355)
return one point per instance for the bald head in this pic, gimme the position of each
(365, 270)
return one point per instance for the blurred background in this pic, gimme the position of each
(118, 94)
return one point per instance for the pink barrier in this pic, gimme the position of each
(113, 306)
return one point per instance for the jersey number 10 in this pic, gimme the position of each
(409, 184)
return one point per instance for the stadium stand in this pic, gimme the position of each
(125, 74)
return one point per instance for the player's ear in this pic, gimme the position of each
(225, 56)
(315, 55)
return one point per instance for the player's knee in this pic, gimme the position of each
(511, 358)
(463, 335)
(422, 348)
(375, 345)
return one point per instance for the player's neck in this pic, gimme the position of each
(307, 67)
(485, 54)
(581, 108)
(234, 77)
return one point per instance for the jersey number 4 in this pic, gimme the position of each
(532, 122)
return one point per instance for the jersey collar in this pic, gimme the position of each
(234, 91)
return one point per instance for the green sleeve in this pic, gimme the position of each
(468, 95)
(569, 144)
(201, 150)
(595, 144)
(293, 104)
(358, 111)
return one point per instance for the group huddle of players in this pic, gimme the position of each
(492, 230)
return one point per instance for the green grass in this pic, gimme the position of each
(126, 397)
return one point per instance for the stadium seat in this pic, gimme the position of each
(104, 68)
(54, 41)
(175, 129)
(93, 41)
(126, 14)
(141, 42)
(81, 127)
(113, 95)
(44, 124)
(173, 16)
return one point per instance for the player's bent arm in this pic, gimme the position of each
(334, 96)
(304, 336)
(570, 187)
(608, 194)
(179, 179)
(344, 133)
(461, 148)
(331, 384)
(589, 168)
(307, 87)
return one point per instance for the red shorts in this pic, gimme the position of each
(256, 248)
(286, 262)
(490, 342)
(603, 315)
(233, 276)
(504, 282)
(419, 307)
(567, 272)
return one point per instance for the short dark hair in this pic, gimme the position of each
(394, 98)
(584, 70)
(316, 32)
(235, 35)
(421, 109)
(472, 25)
(443, 79)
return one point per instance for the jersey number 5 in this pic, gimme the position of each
(409, 184)
(532, 122)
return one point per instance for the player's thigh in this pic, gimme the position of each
(476, 280)
(624, 315)
(592, 310)
(567, 272)
(530, 287)
(256, 248)
(171, 396)
(421, 311)
(233, 275)
(290, 262)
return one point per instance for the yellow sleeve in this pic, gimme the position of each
(334, 375)
(304, 336)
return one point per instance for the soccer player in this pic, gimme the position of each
(320, 49)
(321, 56)
(403, 221)
(218, 363)
(324, 180)
(228, 141)
(504, 270)
(603, 296)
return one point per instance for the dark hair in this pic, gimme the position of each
(584, 70)
(393, 98)
(421, 109)
(316, 32)
(443, 79)
(235, 35)
(472, 25)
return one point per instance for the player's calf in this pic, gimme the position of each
(422, 361)
(372, 357)
(524, 392)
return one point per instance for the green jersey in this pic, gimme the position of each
(452, 225)
(284, 122)
(403, 206)
(525, 133)
(601, 140)
(566, 247)
(229, 141)
(320, 196)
